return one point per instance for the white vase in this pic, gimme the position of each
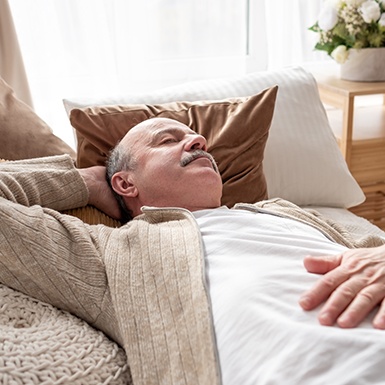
(364, 65)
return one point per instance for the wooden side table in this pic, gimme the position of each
(360, 132)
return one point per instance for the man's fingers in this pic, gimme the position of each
(350, 303)
(322, 289)
(366, 300)
(321, 264)
(344, 302)
(379, 319)
(352, 286)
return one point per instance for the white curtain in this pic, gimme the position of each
(103, 47)
(288, 39)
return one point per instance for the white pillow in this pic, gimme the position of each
(303, 163)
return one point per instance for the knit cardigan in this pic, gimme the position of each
(142, 284)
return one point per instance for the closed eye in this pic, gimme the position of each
(169, 140)
(169, 136)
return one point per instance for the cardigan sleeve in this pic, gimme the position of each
(49, 182)
(48, 255)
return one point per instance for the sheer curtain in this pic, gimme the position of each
(288, 39)
(77, 48)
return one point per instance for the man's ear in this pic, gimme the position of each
(123, 185)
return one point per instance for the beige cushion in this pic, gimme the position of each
(23, 134)
(236, 130)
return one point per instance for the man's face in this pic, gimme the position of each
(173, 168)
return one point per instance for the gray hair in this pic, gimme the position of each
(120, 159)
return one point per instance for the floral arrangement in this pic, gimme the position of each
(350, 24)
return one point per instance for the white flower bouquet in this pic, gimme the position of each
(350, 24)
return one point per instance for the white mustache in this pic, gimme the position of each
(198, 154)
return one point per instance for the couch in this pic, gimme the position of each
(271, 138)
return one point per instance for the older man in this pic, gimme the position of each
(145, 284)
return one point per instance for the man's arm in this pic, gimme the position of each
(49, 182)
(352, 286)
(31, 182)
(45, 254)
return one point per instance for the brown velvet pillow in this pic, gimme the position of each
(23, 134)
(236, 130)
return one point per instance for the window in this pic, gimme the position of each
(75, 48)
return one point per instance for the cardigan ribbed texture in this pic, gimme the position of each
(142, 284)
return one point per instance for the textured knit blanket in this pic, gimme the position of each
(42, 345)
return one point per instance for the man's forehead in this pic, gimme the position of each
(152, 129)
(172, 129)
(160, 126)
(153, 124)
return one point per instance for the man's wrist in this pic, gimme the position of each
(91, 182)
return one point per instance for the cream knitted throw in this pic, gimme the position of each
(42, 345)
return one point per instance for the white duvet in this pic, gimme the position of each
(255, 279)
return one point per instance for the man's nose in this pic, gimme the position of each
(195, 142)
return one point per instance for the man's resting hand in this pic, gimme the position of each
(352, 286)
(100, 193)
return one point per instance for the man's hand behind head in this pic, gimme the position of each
(100, 193)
